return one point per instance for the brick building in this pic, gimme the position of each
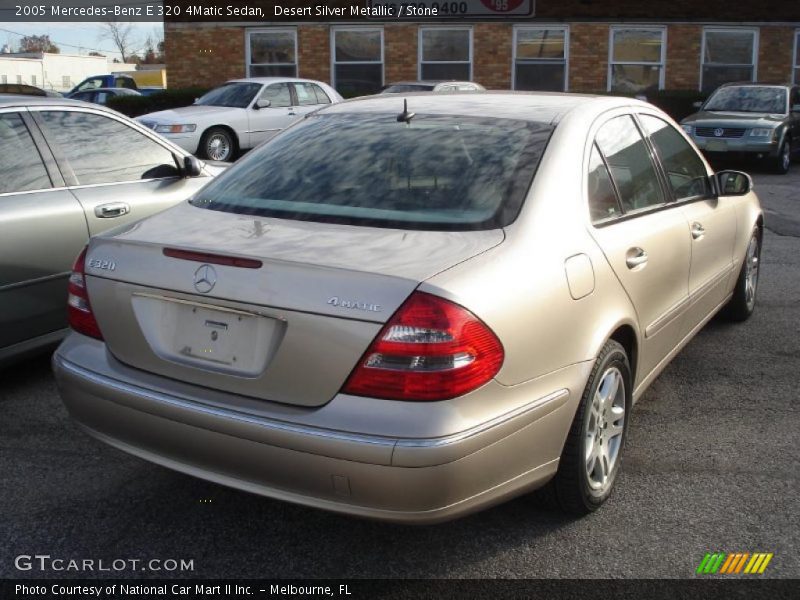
(563, 45)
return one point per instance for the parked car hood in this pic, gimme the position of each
(180, 115)
(734, 118)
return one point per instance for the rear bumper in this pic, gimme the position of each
(402, 479)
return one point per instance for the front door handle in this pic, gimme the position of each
(698, 231)
(112, 210)
(636, 257)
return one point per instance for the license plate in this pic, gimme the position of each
(207, 337)
(716, 145)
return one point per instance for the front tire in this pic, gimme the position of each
(743, 302)
(783, 161)
(218, 144)
(592, 453)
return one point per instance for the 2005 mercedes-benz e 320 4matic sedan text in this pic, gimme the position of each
(412, 308)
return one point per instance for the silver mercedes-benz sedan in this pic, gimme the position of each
(411, 308)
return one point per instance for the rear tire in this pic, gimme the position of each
(592, 453)
(218, 144)
(743, 302)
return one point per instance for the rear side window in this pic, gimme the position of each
(603, 203)
(628, 159)
(103, 150)
(21, 166)
(436, 172)
(309, 93)
(685, 170)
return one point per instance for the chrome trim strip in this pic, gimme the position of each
(27, 282)
(485, 426)
(305, 429)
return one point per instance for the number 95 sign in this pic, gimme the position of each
(508, 6)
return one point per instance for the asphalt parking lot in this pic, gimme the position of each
(711, 465)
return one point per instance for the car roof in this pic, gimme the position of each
(21, 101)
(264, 80)
(755, 84)
(540, 107)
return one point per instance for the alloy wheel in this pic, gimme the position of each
(751, 272)
(604, 429)
(218, 147)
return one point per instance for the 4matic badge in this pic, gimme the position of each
(354, 304)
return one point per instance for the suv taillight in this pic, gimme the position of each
(79, 310)
(431, 349)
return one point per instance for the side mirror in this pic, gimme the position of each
(192, 167)
(734, 183)
(697, 104)
(262, 103)
(796, 108)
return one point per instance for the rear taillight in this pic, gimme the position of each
(79, 310)
(431, 349)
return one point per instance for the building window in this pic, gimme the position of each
(636, 59)
(4, 79)
(33, 79)
(797, 56)
(19, 78)
(65, 82)
(357, 61)
(540, 58)
(445, 53)
(271, 53)
(728, 55)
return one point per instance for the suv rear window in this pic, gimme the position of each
(436, 172)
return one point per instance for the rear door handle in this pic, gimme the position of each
(636, 257)
(698, 231)
(112, 210)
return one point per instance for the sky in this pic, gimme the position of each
(76, 38)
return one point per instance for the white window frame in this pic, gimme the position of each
(252, 30)
(517, 29)
(756, 34)
(334, 29)
(795, 58)
(635, 27)
(471, 62)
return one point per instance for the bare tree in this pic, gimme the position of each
(121, 35)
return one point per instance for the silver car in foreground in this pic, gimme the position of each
(411, 308)
(69, 170)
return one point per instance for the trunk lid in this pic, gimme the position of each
(289, 330)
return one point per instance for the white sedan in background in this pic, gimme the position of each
(240, 114)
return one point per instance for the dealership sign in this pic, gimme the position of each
(444, 9)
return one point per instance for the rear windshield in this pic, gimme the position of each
(436, 172)
(748, 99)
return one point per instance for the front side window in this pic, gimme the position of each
(445, 53)
(21, 170)
(272, 53)
(357, 61)
(636, 64)
(540, 59)
(436, 172)
(629, 161)
(685, 169)
(103, 150)
(278, 94)
(728, 55)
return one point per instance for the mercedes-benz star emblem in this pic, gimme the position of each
(205, 278)
(719, 131)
